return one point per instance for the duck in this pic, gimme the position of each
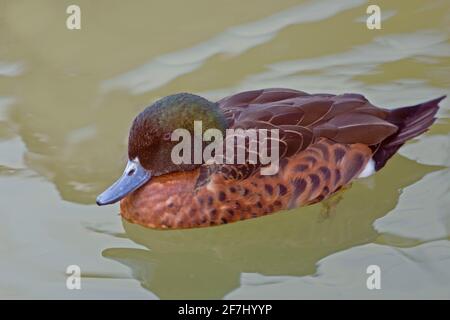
(325, 142)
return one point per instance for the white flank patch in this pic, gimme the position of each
(368, 170)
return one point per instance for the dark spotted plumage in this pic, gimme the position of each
(325, 143)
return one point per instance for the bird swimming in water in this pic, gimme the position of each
(325, 142)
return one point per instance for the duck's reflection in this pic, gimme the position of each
(207, 263)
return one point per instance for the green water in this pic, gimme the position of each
(67, 98)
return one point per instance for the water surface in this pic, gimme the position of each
(67, 99)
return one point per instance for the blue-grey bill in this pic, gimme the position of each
(133, 177)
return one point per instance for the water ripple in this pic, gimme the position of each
(11, 69)
(235, 40)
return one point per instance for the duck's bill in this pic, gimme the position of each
(133, 177)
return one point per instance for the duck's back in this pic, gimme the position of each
(346, 118)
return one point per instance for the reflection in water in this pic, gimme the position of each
(10, 69)
(207, 263)
(236, 40)
(423, 211)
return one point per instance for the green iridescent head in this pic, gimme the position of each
(149, 139)
(150, 144)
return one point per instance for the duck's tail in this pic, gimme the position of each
(411, 121)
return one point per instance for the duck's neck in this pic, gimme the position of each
(158, 203)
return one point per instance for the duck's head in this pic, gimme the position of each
(150, 144)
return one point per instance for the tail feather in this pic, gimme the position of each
(411, 122)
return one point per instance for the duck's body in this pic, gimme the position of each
(174, 201)
(327, 141)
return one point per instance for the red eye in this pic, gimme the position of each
(167, 136)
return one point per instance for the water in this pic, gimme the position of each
(67, 99)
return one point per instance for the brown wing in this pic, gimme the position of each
(301, 119)
(346, 118)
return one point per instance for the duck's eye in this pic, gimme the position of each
(167, 136)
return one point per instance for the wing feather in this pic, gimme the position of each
(302, 119)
